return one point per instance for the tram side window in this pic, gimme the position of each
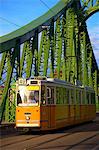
(83, 97)
(92, 98)
(78, 97)
(88, 98)
(50, 95)
(61, 96)
(64, 96)
(72, 97)
(57, 95)
(77, 101)
(67, 96)
(43, 95)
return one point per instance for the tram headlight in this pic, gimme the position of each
(27, 117)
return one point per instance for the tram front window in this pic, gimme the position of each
(33, 97)
(25, 97)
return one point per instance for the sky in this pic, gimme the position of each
(17, 13)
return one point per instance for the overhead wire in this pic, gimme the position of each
(10, 22)
(50, 9)
(47, 6)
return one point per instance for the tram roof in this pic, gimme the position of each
(88, 88)
(55, 80)
(51, 80)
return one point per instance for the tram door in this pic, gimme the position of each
(51, 106)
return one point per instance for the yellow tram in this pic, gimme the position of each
(48, 103)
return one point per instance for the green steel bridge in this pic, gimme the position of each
(57, 44)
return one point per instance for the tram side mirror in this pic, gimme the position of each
(48, 92)
(43, 102)
(19, 100)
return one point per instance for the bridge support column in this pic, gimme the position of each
(43, 55)
(96, 89)
(58, 48)
(90, 68)
(34, 51)
(10, 62)
(84, 70)
(29, 59)
(52, 46)
(71, 51)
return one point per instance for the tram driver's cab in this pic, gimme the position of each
(27, 94)
(34, 99)
(27, 97)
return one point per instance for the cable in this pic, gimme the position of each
(10, 22)
(51, 9)
(47, 6)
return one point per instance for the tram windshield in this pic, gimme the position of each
(27, 98)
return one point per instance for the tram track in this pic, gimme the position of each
(32, 147)
(19, 140)
(35, 137)
(37, 147)
(58, 139)
(82, 141)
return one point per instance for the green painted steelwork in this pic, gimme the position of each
(56, 44)
(27, 31)
(58, 47)
(84, 59)
(52, 46)
(88, 8)
(43, 53)
(71, 61)
(28, 60)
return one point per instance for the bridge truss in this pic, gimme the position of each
(56, 44)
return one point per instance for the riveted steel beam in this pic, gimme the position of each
(43, 53)
(29, 60)
(63, 67)
(11, 57)
(87, 9)
(84, 68)
(52, 46)
(71, 60)
(58, 48)
(35, 53)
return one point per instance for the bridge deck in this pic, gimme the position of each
(82, 137)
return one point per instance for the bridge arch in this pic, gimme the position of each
(91, 12)
(89, 8)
